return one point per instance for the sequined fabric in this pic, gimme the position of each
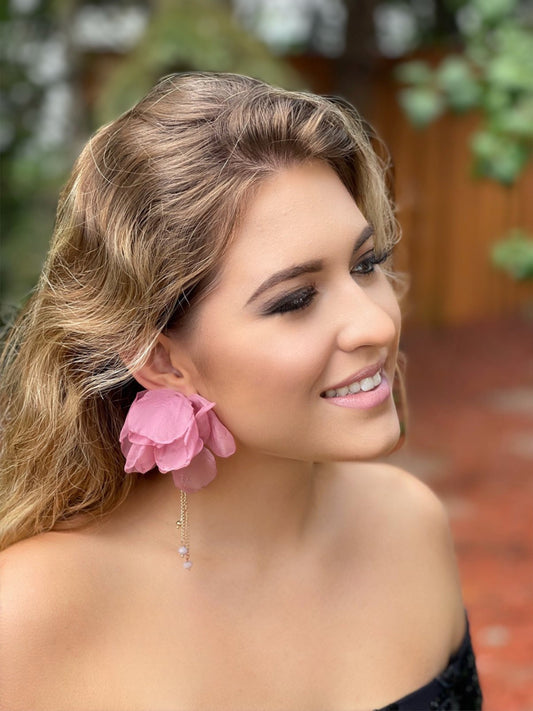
(455, 689)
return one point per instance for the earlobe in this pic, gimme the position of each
(161, 372)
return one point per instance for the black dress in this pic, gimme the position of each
(455, 689)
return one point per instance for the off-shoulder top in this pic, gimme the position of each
(455, 689)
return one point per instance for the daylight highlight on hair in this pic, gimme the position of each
(142, 227)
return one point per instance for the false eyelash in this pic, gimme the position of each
(297, 301)
(303, 298)
(372, 261)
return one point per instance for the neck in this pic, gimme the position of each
(257, 506)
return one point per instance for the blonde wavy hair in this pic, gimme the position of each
(142, 226)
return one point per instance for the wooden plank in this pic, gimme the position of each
(450, 219)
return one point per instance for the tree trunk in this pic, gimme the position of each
(354, 67)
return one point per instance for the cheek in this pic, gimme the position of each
(265, 362)
(261, 379)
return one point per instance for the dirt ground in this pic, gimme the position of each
(470, 437)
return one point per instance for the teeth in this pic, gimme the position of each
(365, 385)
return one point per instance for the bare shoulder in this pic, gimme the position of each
(40, 575)
(45, 603)
(405, 524)
(384, 493)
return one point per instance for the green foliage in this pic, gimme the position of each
(458, 84)
(494, 75)
(184, 35)
(422, 104)
(514, 254)
(31, 173)
(416, 72)
(181, 35)
(492, 11)
(499, 155)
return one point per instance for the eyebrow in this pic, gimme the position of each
(310, 267)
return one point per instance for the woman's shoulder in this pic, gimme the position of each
(39, 576)
(405, 528)
(394, 508)
(48, 605)
(50, 559)
(387, 494)
(53, 574)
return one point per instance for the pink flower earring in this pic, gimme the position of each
(179, 434)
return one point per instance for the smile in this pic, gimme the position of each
(369, 391)
(364, 385)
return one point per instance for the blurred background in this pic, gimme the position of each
(448, 86)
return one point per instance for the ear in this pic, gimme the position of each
(167, 367)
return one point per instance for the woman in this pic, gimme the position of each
(222, 242)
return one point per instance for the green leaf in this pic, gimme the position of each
(491, 11)
(496, 99)
(498, 156)
(456, 79)
(510, 72)
(517, 121)
(509, 60)
(416, 72)
(422, 105)
(515, 254)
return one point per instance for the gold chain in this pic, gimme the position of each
(183, 524)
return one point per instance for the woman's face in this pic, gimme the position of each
(301, 309)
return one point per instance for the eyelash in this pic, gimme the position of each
(301, 299)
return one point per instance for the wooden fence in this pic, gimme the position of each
(449, 218)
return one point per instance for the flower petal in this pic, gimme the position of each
(214, 434)
(220, 439)
(159, 415)
(201, 408)
(180, 453)
(200, 472)
(139, 458)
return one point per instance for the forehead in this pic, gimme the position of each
(301, 213)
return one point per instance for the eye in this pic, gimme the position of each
(297, 301)
(369, 261)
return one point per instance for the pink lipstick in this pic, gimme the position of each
(367, 388)
(363, 400)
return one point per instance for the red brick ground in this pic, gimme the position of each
(471, 438)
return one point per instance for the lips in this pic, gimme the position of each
(367, 372)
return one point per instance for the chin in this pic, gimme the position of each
(370, 445)
(390, 441)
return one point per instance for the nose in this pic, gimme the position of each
(367, 316)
